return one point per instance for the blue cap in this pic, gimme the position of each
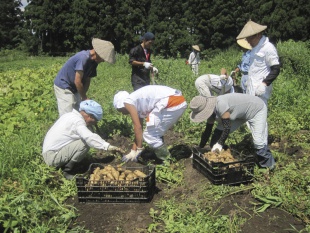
(92, 107)
(148, 36)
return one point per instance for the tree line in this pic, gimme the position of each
(62, 27)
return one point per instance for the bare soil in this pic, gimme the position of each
(135, 217)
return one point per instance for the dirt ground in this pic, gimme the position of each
(134, 217)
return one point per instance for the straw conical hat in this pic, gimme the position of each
(244, 44)
(196, 47)
(251, 28)
(105, 50)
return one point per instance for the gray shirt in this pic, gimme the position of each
(240, 106)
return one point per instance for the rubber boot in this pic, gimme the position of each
(68, 170)
(215, 137)
(162, 152)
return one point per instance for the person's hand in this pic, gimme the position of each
(133, 155)
(217, 146)
(147, 65)
(155, 70)
(115, 148)
(261, 89)
(232, 73)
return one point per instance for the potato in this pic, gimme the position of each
(139, 174)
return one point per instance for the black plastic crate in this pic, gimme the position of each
(233, 173)
(136, 191)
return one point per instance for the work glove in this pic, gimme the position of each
(115, 148)
(147, 65)
(133, 155)
(155, 70)
(217, 146)
(260, 90)
(232, 73)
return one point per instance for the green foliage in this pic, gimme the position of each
(29, 108)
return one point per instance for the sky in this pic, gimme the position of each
(24, 2)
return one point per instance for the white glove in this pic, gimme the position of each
(133, 155)
(115, 148)
(217, 146)
(155, 70)
(223, 77)
(260, 90)
(147, 65)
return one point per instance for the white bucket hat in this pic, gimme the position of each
(244, 44)
(119, 99)
(251, 28)
(202, 108)
(196, 47)
(105, 50)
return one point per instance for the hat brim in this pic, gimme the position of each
(196, 48)
(206, 112)
(104, 49)
(244, 44)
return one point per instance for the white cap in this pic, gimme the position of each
(119, 99)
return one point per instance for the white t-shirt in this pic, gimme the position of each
(151, 98)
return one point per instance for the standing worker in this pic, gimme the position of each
(231, 111)
(243, 67)
(264, 61)
(162, 107)
(140, 60)
(194, 59)
(72, 81)
(69, 139)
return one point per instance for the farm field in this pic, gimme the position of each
(36, 198)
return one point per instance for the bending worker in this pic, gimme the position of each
(210, 84)
(72, 81)
(161, 105)
(231, 111)
(69, 139)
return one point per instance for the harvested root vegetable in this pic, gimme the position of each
(224, 156)
(114, 175)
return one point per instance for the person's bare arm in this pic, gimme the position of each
(137, 125)
(81, 88)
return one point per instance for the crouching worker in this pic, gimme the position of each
(212, 84)
(161, 106)
(68, 140)
(231, 111)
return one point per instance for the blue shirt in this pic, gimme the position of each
(79, 62)
(245, 61)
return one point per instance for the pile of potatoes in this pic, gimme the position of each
(109, 174)
(224, 156)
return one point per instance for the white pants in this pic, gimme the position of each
(66, 100)
(258, 126)
(195, 69)
(163, 121)
(203, 86)
(74, 151)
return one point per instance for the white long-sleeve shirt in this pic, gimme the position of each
(194, 58)
(69, 128)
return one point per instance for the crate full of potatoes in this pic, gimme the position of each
(226, 167)
(116, 184)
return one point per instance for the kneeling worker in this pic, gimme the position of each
(68, 140)
(231, 111)
(161, 105)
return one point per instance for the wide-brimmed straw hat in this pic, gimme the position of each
(244, 44)
(105, 50)
(196, 47)
(202, 108)
(251, 28)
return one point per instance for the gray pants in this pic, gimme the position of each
(66, 100)
(74, 151)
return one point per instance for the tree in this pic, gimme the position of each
(11, 20)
